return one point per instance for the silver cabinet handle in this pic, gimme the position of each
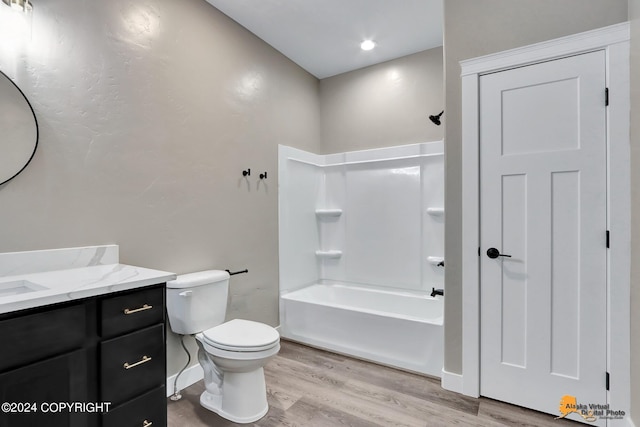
(146, 423)
(137, 310)
(144, 359)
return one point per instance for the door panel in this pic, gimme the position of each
(565, 273)
(543, 201)
(513, 277)
(525, 133)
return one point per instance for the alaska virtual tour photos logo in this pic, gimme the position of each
(589, 412)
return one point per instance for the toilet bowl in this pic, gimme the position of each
(232, 354)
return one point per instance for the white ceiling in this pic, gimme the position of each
(324, 36)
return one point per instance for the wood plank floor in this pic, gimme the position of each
(311, 387)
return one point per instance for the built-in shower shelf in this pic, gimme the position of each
(332, 254)
(328, 213)
(435, 211)
(435, 260)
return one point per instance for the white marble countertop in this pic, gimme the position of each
(28, 290)
(66, 285)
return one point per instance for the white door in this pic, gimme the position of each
(543, 202)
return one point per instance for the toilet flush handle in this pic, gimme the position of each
(185, 293)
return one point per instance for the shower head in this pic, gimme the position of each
(436, 119)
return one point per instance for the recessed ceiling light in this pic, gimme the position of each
(367, 45)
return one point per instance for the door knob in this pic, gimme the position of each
(493, 253)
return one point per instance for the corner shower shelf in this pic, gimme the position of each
(435, 260)
(332, 254)
(328, 213)
(435, 211)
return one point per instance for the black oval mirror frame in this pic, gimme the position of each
(35, 147)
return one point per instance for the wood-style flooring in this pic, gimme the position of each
(315, 388)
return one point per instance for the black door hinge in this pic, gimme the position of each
(478, 250)
(607, 381)
(606, 96)
(608, 239)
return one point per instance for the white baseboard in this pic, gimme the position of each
(190, 376)
(451, 381)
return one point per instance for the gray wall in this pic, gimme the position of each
(148, 113)
(634, 17)
(474, 28)
(382, 105)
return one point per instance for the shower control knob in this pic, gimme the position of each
(493, 253)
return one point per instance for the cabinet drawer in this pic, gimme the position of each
(150, 409)
(33, 337)
(132, 364)
(131, 311)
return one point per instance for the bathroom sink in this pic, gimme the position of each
(19, 287)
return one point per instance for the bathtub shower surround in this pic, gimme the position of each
(361, 248)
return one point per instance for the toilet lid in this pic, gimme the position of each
(242, 335)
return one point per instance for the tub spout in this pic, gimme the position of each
(435, 292)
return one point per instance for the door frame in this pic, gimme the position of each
(614, 40)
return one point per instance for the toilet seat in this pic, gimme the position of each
(240, 335)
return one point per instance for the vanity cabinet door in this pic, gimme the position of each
(35, 336)
(59, 379)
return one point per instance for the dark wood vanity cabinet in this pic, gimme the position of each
(109, 348)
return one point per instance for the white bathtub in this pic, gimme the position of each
(395, 328)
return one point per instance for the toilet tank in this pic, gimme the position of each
(197, 301)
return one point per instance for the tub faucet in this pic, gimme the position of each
(435, 292)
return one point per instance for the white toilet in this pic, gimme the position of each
(231, 354)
